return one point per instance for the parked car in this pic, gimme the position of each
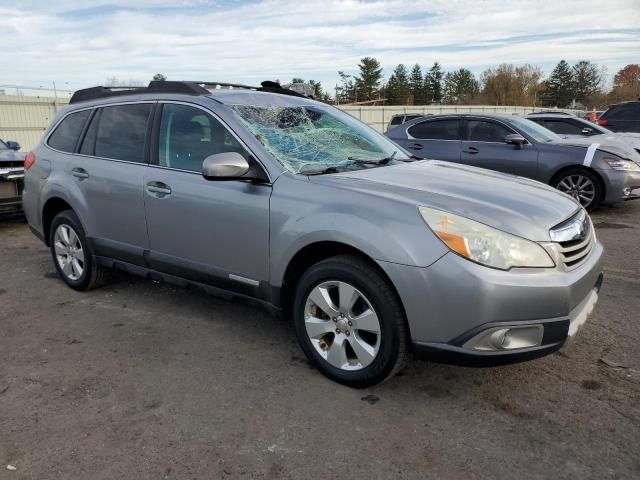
(301, 207)
(11, 175)
(512, 144)
(573, 127)
(622, 117)
(405, 117)
(593, 116)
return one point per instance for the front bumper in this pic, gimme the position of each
(455, 300)
(621, 185)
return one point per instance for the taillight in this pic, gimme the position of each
(602, 122)
(29, 160)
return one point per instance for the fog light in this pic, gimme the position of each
(626, 191)
(507, 338)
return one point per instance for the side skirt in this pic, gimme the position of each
(181, 282)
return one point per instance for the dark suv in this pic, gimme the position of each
(622, 117)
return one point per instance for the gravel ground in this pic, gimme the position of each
(137, 380)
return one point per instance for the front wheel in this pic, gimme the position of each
(349, 322)
(582, 185)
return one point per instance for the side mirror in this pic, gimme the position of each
(515, 139)
(224, 166)
(587, 131)
(13, 145)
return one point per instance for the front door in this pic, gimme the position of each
(484, 146)
(213, 232)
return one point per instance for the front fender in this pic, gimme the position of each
(380, 228)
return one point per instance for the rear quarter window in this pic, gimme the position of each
(66, 135)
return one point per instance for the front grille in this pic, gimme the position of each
(575, 250)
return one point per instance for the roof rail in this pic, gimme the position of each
(93, 93)
(169, 86)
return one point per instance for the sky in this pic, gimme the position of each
(80, 43)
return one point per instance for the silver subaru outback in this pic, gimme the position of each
(258, 191)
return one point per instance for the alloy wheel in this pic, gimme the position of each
(342, 325)
(579, 187)
(69, 252)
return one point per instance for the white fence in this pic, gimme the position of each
(23, 118)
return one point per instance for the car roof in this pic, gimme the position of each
(551, 115)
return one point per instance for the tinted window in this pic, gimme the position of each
(564, 127)
(121, 132)
(625, 112)
(436, 130)
(188, 136)
(485, 131)
(396, 120)
(65, 136)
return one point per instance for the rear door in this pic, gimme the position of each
(484, 146)
(438, 139)
(108, 171)
(214, 232)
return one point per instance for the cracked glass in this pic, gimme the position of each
(314, 138)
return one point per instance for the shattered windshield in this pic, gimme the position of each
(314, 138)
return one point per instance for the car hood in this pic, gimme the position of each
(606, 143)
(10, 156)
(509, 203)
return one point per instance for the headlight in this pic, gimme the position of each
(621, 164)
(483, 244)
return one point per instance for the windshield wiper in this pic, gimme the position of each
(375, 161)
(321, 171)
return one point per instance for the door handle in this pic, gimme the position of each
(158, 189)
(416, 146)
(471, 150)
(79, 173)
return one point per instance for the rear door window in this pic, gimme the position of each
(121, 132)
(564, 127)
(66, 135)
(448, 129)
(487, 131)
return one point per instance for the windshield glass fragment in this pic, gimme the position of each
(314, 138)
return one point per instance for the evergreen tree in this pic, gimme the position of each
(158, 77)
(433, 83)
(368, 83)
(586, 79)
(560, 86)
(416, 84)
(460, 86)
(398, 87)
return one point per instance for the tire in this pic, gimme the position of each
(71, 254)
(331, 340)
(571, 182)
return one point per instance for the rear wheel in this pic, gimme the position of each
(349, 322)
(582, 185)
(71, 255)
